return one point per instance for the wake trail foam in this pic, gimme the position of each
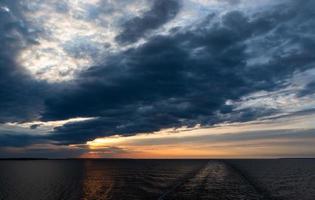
(165, 194)
(214, 181)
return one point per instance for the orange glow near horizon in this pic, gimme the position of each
(224, 141)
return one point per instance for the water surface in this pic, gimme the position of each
(122, 179)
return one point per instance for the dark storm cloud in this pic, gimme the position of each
(309, 89)
(34, 126)
(161, 12)
(7, 139)
(186, 77)
(20, 96)
(183, 78)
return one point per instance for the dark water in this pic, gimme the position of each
(280, 179)
(121, 179)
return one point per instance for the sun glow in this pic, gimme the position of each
(226, 140)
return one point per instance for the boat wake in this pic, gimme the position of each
(214, 181)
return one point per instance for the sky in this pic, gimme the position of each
(157, 78)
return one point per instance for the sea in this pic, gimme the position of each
(127, 179)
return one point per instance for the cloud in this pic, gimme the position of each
(20, 140)
(20, 95)
(203, 73)
(186, 77)
(70, 36)
(41, 151)
(233, 140)
(309, 89)
(34, 126)
(161, 12)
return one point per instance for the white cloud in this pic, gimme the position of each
(62, 25)
(43, 127)
(4, 9)
(285, 100)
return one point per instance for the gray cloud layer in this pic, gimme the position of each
(161, 12)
